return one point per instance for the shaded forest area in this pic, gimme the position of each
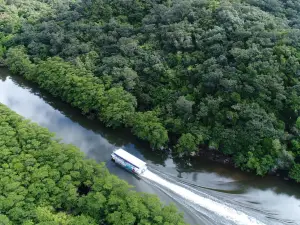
(45, 182)
(222, 74)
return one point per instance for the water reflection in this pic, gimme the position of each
(90, 136)
(269, 199)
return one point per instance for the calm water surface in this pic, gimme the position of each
(269, 200)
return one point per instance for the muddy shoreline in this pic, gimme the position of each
(216, 156)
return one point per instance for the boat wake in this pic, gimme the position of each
(222, 210)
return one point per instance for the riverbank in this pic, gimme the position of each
(252, 194)
(116, 107)
(204, 151)
(219, 157)
(62, 173)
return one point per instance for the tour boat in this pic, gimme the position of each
(128, 161)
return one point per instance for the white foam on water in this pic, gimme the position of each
(222, 210)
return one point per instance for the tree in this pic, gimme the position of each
(46, 182)
(295, 172)
(188, 143)
(148, 127)
(4, 220)
(225, 69)
(19, 63)
(184, 107)
(117, 107)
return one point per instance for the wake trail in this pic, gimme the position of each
(222, 210)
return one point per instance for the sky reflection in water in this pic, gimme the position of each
(267, 197)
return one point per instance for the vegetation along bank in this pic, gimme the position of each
(222, 74)
(43, 181)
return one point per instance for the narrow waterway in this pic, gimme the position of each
(207, 192)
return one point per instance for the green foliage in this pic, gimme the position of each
(298, 123)
(4, 220)
(228, 70)
(76, 86)
(4, 38)
(41, 182)
(87, 61)
(295, 172)
(19, 62)
(47, 215)
(188, 143)
(147, 126)
(117, 106)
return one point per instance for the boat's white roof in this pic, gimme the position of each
(130, 158)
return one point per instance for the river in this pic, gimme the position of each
(206, 192)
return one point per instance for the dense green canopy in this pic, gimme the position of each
(222, 74)
(45, 182)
